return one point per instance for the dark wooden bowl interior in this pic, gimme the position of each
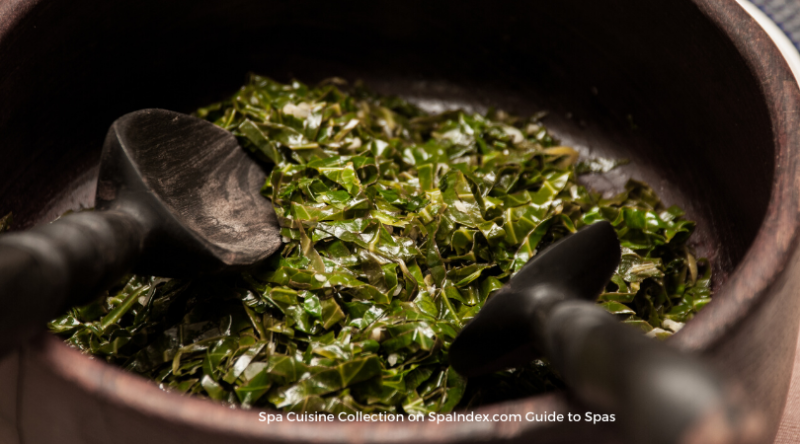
(655, 82)
(616, 78)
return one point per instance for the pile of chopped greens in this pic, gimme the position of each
(397, 227)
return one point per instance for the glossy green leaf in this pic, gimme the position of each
(397, 226)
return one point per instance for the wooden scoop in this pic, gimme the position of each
(658, 395)
(176, 196)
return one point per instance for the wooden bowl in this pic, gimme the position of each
(692, 91)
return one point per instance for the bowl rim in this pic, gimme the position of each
(777, 239)
(746, 287)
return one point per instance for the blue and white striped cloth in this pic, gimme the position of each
(786, 14)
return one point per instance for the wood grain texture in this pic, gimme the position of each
(198, 188)
(789, 430)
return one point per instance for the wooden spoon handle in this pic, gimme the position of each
(658, 394)
(50, 267)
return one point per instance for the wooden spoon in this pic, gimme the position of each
(657, 394)
(176, 196)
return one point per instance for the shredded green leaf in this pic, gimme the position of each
(5, 222)
(397, 227)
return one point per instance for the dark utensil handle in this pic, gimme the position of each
(50, 267)
(658, 395)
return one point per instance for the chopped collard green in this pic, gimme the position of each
(397, 227)
(5, 222)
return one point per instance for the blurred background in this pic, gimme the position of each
(785, 13)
